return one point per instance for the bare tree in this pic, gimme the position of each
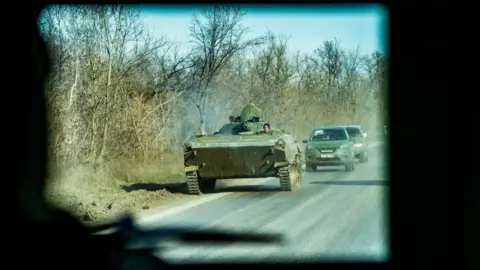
(274, 70)
(105, 50)
(377, 70)
(271, 66)
(351, 64)
(217, 35)
(330, 60)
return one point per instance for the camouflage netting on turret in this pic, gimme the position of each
(249, 112)
(251, 117)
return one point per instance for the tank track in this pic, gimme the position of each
(286, 183)
(193, 187)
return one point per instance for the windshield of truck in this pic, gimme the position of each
(331, 134)
(354, 132)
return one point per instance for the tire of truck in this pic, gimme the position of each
(350, 165)
(363, 157)
(310, 167)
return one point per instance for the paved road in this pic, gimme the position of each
(335, 215)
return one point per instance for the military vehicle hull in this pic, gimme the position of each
(242, 156)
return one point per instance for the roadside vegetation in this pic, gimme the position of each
(121, 101)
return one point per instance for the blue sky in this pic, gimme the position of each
(308, 26)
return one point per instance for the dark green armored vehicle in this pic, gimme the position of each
(329, 146)
(242, 149)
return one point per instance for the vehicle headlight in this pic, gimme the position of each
(281, 143)
(309, 147)
(343, 146)
(358, 145)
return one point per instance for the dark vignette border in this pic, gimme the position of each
(417, 166)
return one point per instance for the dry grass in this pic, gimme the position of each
(116, 188)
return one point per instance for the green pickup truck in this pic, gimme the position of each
(329, 146)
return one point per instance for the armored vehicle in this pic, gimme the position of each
(240, 149)
(329, 146)
(360, 144)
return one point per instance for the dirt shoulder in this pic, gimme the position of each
(95, 195)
